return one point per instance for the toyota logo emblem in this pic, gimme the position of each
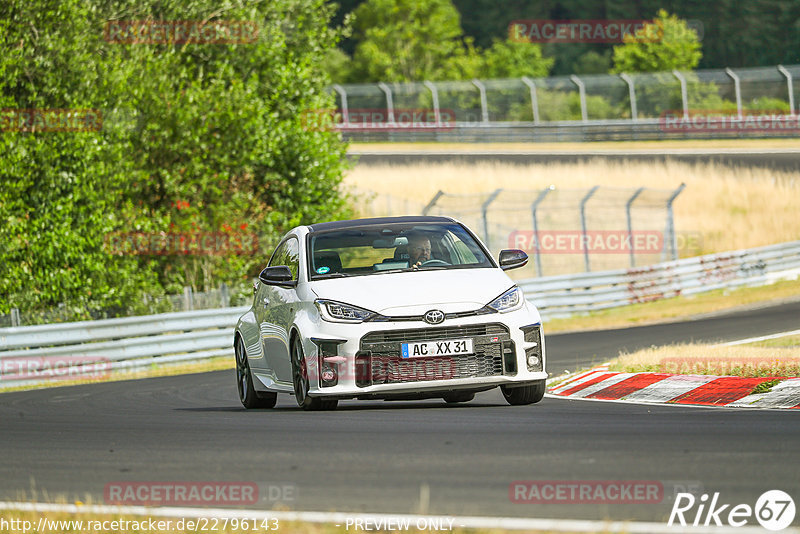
(434, 317)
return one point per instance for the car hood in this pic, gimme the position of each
(415, 292)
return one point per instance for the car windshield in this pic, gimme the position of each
(385, 248)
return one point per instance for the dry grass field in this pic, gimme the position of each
(730, 208)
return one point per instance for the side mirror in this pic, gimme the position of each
(512, 258)
(277, 276)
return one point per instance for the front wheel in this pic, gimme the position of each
(521, 395)
(300, 382)
(244, 381)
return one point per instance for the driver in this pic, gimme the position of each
(419, 249)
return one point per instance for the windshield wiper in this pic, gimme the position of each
(330, 275)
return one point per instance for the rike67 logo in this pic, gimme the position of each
(774, 510)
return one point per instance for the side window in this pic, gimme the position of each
(287, 253)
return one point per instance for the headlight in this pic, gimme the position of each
(508, 301)
(339, 312)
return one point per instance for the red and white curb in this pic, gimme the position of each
(664, 388)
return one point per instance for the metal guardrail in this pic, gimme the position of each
(564, 295)
(34, 354)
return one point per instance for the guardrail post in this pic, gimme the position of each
(632, 95)
(534, 208)
(684, 93)
(484, 211)
(673, 240)
(484, 103)
(433, 201)
(15, 317)
(738, 89)
(630, 223)
(435, 96)
(389, 102)
(582, 92)
(343, 96)
(584, 244)
(788, 75)
(534, 99)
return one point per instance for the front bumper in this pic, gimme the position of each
(365, 358)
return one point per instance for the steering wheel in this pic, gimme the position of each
(433, 262)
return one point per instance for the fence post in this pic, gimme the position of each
(435, 96)
(788, 75)
(585, 199)
(225, 295)
(582, 92)
(15, 317)
(484, 103)
(188, 301)
(484, 211)
(630, 223)
(738, 89)
(632, 95)
(343, 95)
(534, 207)
(389, 102)
(673, 240)
(433, 201)
(534, 100)
(684, 93)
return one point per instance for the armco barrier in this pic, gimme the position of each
(133, 342)
(559, 296)
(125, 343)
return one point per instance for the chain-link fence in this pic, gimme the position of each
(562, 230)
(752, 102)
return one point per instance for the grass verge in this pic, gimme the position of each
(704, 359)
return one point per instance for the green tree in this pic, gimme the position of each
(666, 44)
(510, 59)
(217, 129)
(403, 40)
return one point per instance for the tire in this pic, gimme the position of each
(522, 395)
(301, 387)
(455, 397)
(244, 381)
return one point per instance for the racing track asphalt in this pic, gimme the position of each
(375, 456)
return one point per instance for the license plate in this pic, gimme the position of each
(448, 347)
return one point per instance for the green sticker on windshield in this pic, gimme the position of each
(323, 270)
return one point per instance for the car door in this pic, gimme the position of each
(278, 306)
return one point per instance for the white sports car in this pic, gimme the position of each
(390, 308)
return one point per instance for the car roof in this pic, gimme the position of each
(354, 223)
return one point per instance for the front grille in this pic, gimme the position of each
(379, 360)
